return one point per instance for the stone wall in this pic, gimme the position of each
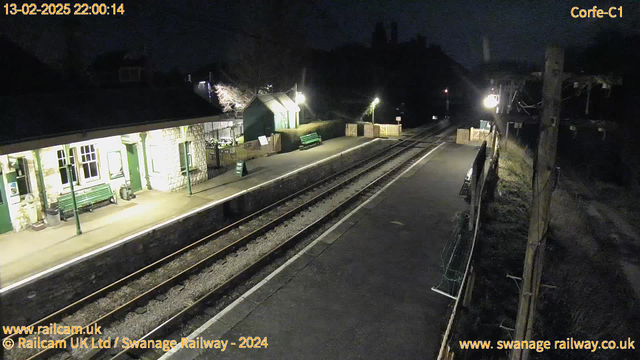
(51, 171)
(164, 154)
(53, 291)
(162, 148)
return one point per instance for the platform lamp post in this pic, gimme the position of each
(143, 139)
(184, 130)
(73, 193)
(446, 93)
(375, 102)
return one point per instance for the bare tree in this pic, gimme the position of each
(232, 98)
(269, 53)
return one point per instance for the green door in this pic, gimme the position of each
(134, 167)
(5, 218)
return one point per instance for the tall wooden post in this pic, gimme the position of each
(544, 166)
(506, 137)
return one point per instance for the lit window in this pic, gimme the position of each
(89, 160)
(22, 176)
(62, 166)
(189, 156)
(114, 160)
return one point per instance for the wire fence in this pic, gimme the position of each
(458, 269)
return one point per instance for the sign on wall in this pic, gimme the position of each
(13, 189)
(114, 160)
(128, 139)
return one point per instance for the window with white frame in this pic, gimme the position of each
(181, 150)
(89, 158)
(114, 161)
(62, 166)
(22, 176)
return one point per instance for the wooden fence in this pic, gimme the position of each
(378, 130)
(390, 130)
(249, 150)
(464, 136)
(351, 130)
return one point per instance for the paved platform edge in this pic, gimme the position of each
(173, 219)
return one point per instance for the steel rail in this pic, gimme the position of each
(163, 286)
(255, 266)
(156, 264)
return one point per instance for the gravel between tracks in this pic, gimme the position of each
(143, 319)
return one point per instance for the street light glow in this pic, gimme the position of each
(300, 99)
(491, 101)
(446, 91)
(373, 110)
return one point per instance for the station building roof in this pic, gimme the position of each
(40, 120)
(277, 102)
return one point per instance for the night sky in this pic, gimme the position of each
(190, 34)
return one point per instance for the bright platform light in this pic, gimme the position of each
(491, 101)
(300, 99)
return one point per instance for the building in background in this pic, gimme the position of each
(113, 136)
(269, 113)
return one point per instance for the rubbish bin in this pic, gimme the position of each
(53, 216)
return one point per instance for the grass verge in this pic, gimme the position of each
(593, 300)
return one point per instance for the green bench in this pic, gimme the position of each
(85, 198)
(310, 140)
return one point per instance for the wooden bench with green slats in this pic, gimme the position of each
(310, 140)
(85, 198)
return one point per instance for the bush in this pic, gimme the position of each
(328, 129)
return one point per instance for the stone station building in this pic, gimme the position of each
(112, 136)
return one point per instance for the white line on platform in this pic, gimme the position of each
(179, 217)
(257, 286)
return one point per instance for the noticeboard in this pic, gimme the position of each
(13, 189)
(241, 168)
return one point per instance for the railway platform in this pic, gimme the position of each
(362, 290)
(26, 254)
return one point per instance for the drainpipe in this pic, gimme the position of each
(43, 191)
(73, 193)
(186, 163)
(143, 138)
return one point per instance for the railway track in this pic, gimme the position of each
(135, 295)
